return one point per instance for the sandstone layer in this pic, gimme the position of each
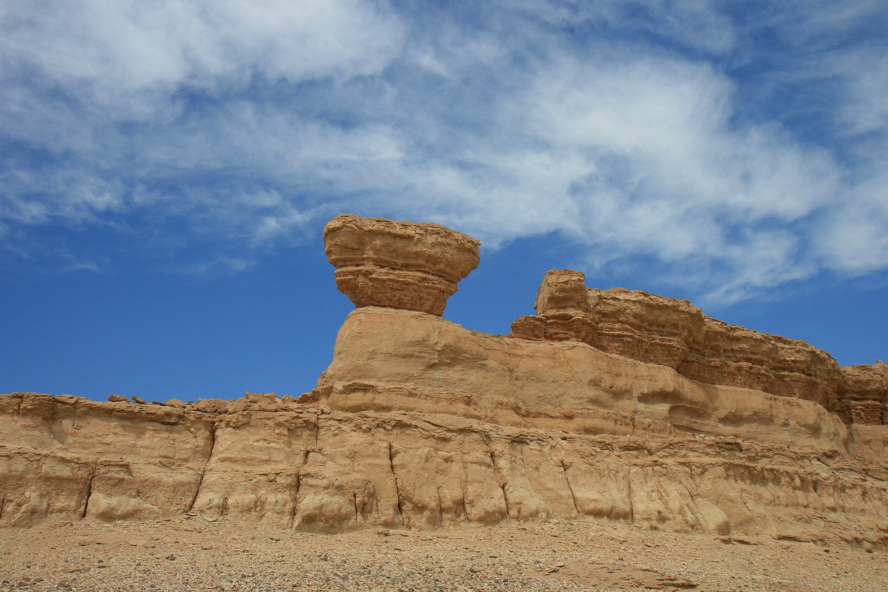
(676, 334)
(419, 422)
(863, 394)
(612, 404)
(412, 266)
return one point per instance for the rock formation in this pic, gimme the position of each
(676, 334)
(398, 264)
(603, 405)
(863, 394)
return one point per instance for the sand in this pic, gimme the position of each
(190, 553)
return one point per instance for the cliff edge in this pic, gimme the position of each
(607, 404)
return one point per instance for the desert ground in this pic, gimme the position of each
(190, 553)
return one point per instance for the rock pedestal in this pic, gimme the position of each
(404, 265)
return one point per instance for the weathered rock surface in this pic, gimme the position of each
(398, 264)
(863, 394)
(614, 404)
(678, 335)
(440, 425)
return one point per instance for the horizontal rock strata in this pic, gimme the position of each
(426, 423)
(678, 335)
(314, 469)
(611, 404)
(406, 265)
(863, 394)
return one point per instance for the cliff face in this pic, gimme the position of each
(676, 334)
(863, 394)
(599, 410)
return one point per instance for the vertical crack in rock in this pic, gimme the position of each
(293, 512)
(395, 479)
(89, 487)
(2, 505)
(629, 494)
(465, 491)
(506, 502)
(355, 501)
(316, 429)
(573, 498)
(440, 508)
(501, 479)
(203, 471)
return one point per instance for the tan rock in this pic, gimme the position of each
(676, 334)
(117, 399)
(614, 405)
(863, 394)
(398, 264)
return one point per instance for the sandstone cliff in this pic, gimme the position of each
(676, 334)
(616, 404)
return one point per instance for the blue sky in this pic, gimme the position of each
(166, 169)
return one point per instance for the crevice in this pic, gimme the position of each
(629, 493)
(395, 479)
(506, 502)
(465, 486)
(498, 474)
(204, 470)
(296, 498)
(89, 487)
(355, 501)
(573, 498)
(440, 509)
(196, 490)
(2, 505)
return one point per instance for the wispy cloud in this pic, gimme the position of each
(740, 150)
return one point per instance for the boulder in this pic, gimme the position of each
(405, 265)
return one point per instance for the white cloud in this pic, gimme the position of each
(250, 123)
(854, 239)
(126, 57)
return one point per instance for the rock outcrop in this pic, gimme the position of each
(676, 334)
(599, 411)
(398, 264)
(863, 394)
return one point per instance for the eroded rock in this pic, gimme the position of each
(405, 265)
(615, 404)
(864, 393)
(676, 334)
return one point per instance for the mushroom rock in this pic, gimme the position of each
(404, 265)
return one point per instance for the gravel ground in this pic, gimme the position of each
(193, 554)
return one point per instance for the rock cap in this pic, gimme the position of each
(404, 265)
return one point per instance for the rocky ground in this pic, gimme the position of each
(193, 554)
